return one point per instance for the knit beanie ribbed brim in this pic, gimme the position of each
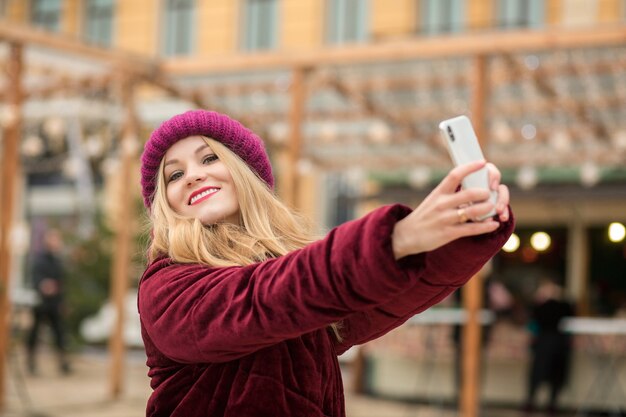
(232, 134)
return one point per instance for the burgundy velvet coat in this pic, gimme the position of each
(254, 341)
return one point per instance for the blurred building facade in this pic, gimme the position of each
(555, 119)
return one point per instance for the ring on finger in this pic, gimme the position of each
(462, 215)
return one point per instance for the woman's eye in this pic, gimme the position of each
(175, 175)
(209, 158)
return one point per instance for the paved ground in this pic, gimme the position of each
(85, 392)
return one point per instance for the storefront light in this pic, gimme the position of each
(512, 244)
(617, 232)
(540, 241)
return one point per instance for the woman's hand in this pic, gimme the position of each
(443, 215)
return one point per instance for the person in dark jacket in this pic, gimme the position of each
(244, 312)
(550, 345)
(48, 274)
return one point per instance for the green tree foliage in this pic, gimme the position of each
(88, 275)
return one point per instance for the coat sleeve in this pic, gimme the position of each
(194, 313)
(446, 269)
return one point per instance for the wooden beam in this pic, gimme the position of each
(485, 43)
(398, 124)
(192, 95)
(67, 85)
(10, 166)
(294, 151)
(126, 61)
(123, 238)
(547, 89)
(472, 291)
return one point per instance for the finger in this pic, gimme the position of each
(473, 212)
(458, 215)
(495, 176)
(503, 198)
(463, 197)
(481, 210)
(452, 181)
(474, 229)
(502, 205)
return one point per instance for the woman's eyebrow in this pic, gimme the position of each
(170, 162)
(173, 161)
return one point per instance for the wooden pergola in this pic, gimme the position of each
(120, 74)
(306, 71)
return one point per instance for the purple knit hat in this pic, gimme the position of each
(242, 141)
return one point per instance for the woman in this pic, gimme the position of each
(244, 312)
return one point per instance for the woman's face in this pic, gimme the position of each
(198, 184)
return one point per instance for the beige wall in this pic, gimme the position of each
(609, 11)
(71, 21)
(301, 24)
(217, 24)
(576, 13)
(136, 24)
(553, 12)
(392, 19)
(480, 14)
(17, 11)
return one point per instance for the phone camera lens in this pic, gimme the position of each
(450, 134)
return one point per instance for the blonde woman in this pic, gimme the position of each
(244, 312)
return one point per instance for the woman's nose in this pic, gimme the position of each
(195, 176)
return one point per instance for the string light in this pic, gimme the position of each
(328, 132)
(502, 132)
(540, 241)
(379, 132)
(512, 244)
(54, 127)
(527, 177)
(279, 133)
(419, 177)
(8, 115)
(33, 146)
(589, 174)
(560, 140)
(619, 139)
(617, 232)
(305, 166)
(529, 131)
(531, 62)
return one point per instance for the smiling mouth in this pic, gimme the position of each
(202, 195)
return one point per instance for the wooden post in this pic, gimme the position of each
(10, 166)
(473, 290)
(577, 276)
(296, 118)
(123, 238)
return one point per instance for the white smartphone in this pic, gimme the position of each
(463, 147)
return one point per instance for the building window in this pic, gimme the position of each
(346, 21)
(260, 24)
(442, 16)
(179, 27)
(99, 22)
(515, 14)
(46, 14)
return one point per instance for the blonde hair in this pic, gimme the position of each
(267, 229)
